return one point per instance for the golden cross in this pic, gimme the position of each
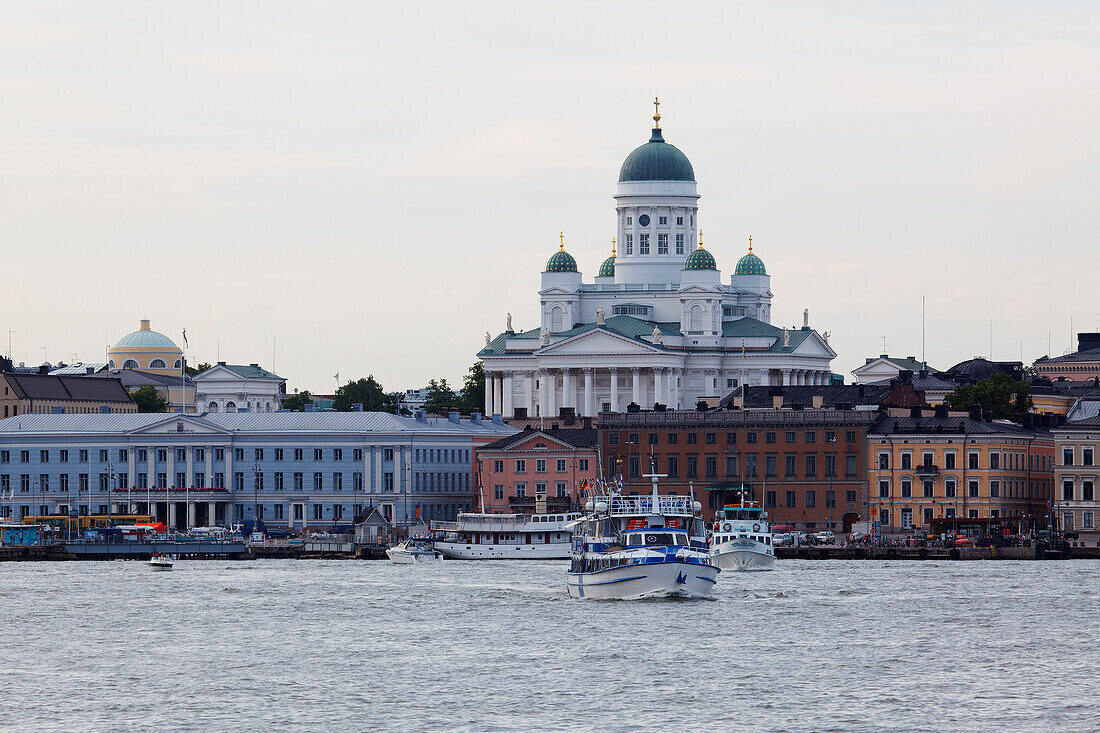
(561, 240)
(657, 111)
(750, 243)
(700, 238)
(612, 246)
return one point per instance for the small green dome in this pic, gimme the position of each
(656, 161)
(145, 338)
(607, 269)
(561, 261)
(700, 259)
(750, 264)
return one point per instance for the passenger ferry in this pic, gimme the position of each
(506, 536)
(741, 539)
(641, 547)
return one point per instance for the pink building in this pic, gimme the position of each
(536, 471)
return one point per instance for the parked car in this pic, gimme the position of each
(825, 537)
(782, 540)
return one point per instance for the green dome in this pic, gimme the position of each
(561, 261)
(607, 269)
(700, 259)
(750, 264)
(656, 161)
(145, 338)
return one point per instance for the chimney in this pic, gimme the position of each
(519, 413)
(420, 416)
(905, 376)
(555, 426)
(498, 420)
(1088, 341)
(355, 406)
(859, 391)
(453, 416)
(777, 401)
(915, 411)
(475, 417)
(89, 370)
(796, 405)
(976, 412)
(254, 364)
(941, 410)
(44, 369)
(818, 401)
(869, 360)
(923, 374)
(567, 414)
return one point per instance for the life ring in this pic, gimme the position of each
(756, 527)
(728, 527)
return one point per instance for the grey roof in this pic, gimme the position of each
(886, 425)
(1088, 423)
(831, 395)
(67, 388)
(254, 422)
(913, 365)
(932, 382)
(77, 369)
(574, 437)
(1090, 355)
(138, 378)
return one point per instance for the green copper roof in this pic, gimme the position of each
(607, 269)
(750, 264)
(561, 261)
(700, 259)
(656, 161)
(145, 338)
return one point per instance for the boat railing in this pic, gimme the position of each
(621, 506)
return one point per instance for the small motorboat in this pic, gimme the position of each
(415, 550)
(160, 561)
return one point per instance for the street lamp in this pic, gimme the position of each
(255, 495)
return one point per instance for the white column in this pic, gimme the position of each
(228, 467)
(529, 393)
(190, 466)
(171, 469)
(152, 468)
(172, 515)
(551, 394)
(191, 514)
(657, 373)
(489, 393)
(786, 377)
(507, 401)
(589, 405)
(376, 479)
(498, 397)
(614, 389)
(130, 473)
(636, 373)
(672, 400)
(544, 391)
(209, 451)
(568, 393)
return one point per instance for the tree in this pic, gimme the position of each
(367, 392)
(297, 402)
(441, 398)
(1001, 395)
(193, 370)
(472, 397)
(148, 399)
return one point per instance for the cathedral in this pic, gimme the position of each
(656, 326)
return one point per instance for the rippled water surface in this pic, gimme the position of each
(497, 646)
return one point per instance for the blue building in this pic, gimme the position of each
(288, 469)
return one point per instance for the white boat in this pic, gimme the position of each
(507, 536)
(742, 539)
(412, 551)
(160, 562)
(641, 547)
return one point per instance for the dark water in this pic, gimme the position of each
(497, 646)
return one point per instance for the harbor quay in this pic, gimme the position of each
(298, 471)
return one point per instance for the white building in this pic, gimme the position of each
(236, 387)
(876, 369)
(657, 325)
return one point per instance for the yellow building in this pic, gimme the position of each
(146, 350)
(942, 465)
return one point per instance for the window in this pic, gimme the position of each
(337, 454)
(629, 220)
(238, 454)
(949, 460)
(1086, 455)
(811, 436)
(1067, 491)
(906, 461)
(884, 489)
(521, 489)
(613, 439)
(994, 461)
(811, 466)
(830, 466)
(1086, 491)
(102, 456)
(629, 244)
(750, 466)
(387, 454)
(788, 437)
(298, 484)
(1067, 456)
(750, 437)
(972, 488)
(357, 455)
(830, 498)
(972, 460)
(731, 438)
(994, 489)
(850, 466)
(318, 454)
(792, 499)
(540, 465)
(771, 469)
(258, 478)
(43, 456)
(278, 454)
(238, 481)
(662, 220)
(928, 493)
(5, 456)
(632, 466)
(692, 438)
(712, 466)
(849, 436)
(318, 481)
(643, 243)
(679, 244)
(949, 488)
(337, 482)
(830, 436)
(770, 499)
(521, 465)
(906, 488)
(278, 481)
(769, 437)
(850, 496)
(790, 465)
(884, 461)
(387, 482)
(318, 512)
(297, 454)
(582, 464)
(673, 469)
(673, 438)
(711, 438)
(498, 492)
(692, 467)
(559, 465)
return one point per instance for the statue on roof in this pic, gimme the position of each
(600, 314)
(826, 336)
(805, 317)
(656, 337)
(544, 336)
(786, 337)
(488, 340)
(508, 323)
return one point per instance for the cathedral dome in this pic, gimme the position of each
(145, 337)
(656, 161)
(700, 259)
(561, 261)
(750, 264)
(607, 269)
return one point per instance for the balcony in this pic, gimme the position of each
(926, 470)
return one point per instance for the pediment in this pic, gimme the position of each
(814, 345)
(598, 341)
(180, 424)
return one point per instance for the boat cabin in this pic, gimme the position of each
(655, 538)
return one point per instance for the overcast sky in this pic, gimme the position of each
(374, 185)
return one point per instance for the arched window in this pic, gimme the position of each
(111, 364)
(157, 364)
(556, 320)
(129, 364)
(178, 364)
(696, 318)
(213, 407)
(230, 406)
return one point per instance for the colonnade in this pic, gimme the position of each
(588, 390)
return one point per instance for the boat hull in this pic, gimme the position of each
(160, 566)
(745, 555)
(673, 579)
(464, 551)
(401, 556)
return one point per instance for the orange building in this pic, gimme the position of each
(936, 464)
(536, 471)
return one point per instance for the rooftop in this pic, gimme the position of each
(67, 388)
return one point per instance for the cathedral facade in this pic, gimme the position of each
(656, 326)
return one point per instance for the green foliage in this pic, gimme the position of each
(367, 392)
(193, 370)
(1001, 395)
(441, 398)
(297, 402)
(472, 397)
(148, 399)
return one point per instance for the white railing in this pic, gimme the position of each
(621, 506)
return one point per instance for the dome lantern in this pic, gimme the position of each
(656, 160)
(700, 259)
(750, 264)
(561, 261)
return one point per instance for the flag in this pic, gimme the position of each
(336, 376)
(185, 338)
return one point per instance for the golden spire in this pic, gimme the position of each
(700, 239)
(561, 241)
(750, 244)
(657, 113)
(612, 246)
